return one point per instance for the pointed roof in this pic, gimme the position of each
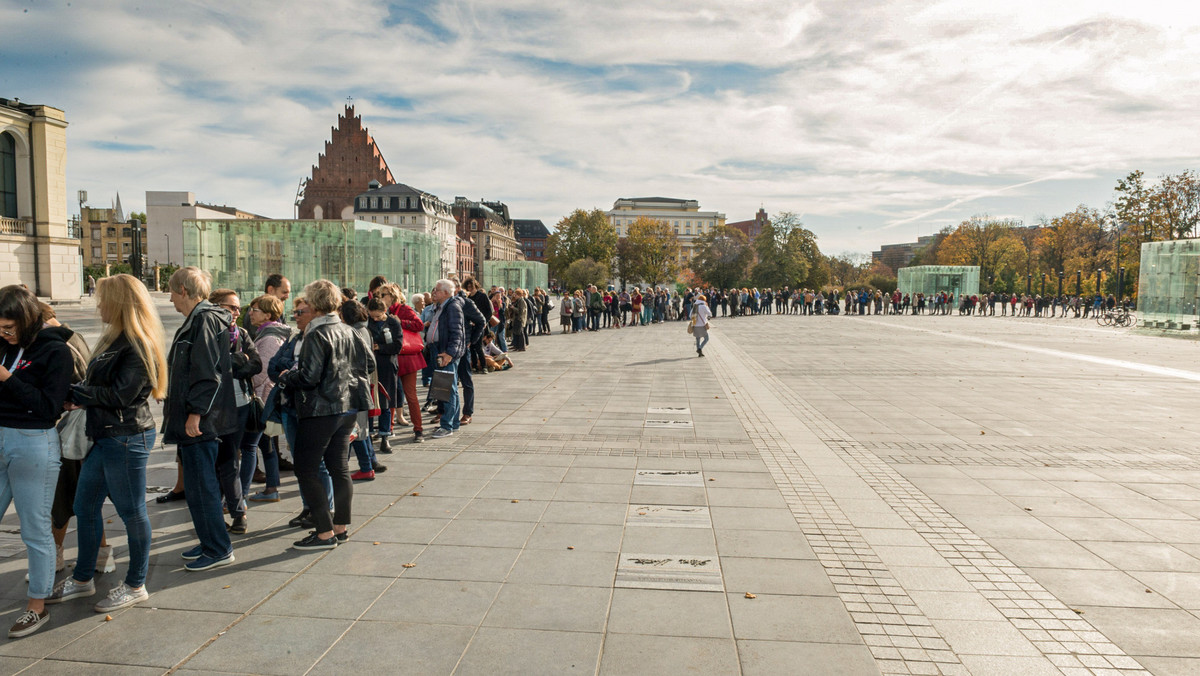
(118, 212)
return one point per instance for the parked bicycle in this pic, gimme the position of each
(1120, 317)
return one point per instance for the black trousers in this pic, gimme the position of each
(325, 439)
(229, 456)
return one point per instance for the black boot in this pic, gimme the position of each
(385, 446)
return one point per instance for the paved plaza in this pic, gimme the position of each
(818, 495)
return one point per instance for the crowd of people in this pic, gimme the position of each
(76, 425)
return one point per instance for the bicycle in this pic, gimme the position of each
(1119, 317)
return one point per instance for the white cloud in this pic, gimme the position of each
(871, 118)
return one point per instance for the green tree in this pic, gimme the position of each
(1176, 199)
(986, 242)
(721, 256)
(585, 271)
(787, 254)
(140, 215)
(583, 234)
(653, 248)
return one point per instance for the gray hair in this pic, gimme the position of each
(192, 282)
(445, 285)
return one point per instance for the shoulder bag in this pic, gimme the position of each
(442, 386)
(72, 435)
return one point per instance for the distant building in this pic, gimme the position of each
(466, 257)
(106, 236)
(490, 229)
(165, 213)
(532, 235)
(37, 248)
(896, 256)
(351, 161)
(752, 228)
(683, 215)
(406, 207)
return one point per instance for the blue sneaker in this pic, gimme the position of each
(206, 562)
(193, 553)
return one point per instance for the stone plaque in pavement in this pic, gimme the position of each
(670, 424)
(668, 477)
(672, 516)
(669, 571)
(669, 410)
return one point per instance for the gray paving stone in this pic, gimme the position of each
(661, 539)
(970, 637)
(565, 567)
(501, 651)
(764, 544)
(496, 509)
(776, 576)
(752, 518)
(222, 589)
(550, 607)
(479, 533)
(583, 537)
(1098, 587)
(668, 495)
(326, 596)
(520, 490)
(447, 562)
(581, 492)
(995, 665)
(123, 641)
(1160, 632)
(629, 654)
(388, 647)
(585, 513)
(745, 497)
(431, 507)
(434, 602)
(50, 667)
(599, 475)
(768, 658)
(669, 613)
(812, 619)
(411, 530)
(278, 645)
(359, 557)
(438, 486)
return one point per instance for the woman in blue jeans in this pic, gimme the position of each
(129, 367)
(35, 374)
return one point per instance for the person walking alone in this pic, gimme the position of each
(701, 318)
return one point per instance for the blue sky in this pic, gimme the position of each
(877, 121)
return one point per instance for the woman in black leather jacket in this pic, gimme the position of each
(128, 367)
(328, 385)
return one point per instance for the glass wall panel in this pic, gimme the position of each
(515, 274)
(1169, 284)
(241, 253)
(932, 279)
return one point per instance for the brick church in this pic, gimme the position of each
(350, 162)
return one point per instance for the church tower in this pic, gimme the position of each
(351, 161)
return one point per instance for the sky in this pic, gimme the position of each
(875, 121)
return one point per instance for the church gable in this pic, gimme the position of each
(350, 162)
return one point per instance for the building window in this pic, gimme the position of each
(362, 202)
(95, 233)
(95, 252)
(385, 219)
(124, 247)
(374, 202)
(386, 202)
(373, 219)
(474, 225)
(8, 176)
(125, 232)
(687, 230)
(111, 232)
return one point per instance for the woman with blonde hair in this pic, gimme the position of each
(129, 367)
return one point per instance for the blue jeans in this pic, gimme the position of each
(291, 423)
(249, 461)
(701, 341)
(450, 409)
(29, 462)
(116, 468)
(365, 452)
(203, 496)
(499, 331)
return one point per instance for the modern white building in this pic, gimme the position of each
(684, 215)
(36, 246)
(406, 207)
(165, 213)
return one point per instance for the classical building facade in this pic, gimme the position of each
(166, 210)
(350, 162)
(107, 237)
(532, 235)
(466, 257)
(683, 215)
(488, 226)
(403, 206)
(36, 246)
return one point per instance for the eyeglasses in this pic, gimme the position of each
(232, 308)
(297, 313)
(6, 332)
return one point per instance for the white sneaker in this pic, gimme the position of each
(120, 597)
(71, 588)
(105, 561)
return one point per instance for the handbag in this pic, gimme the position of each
(441, 388)
(412, 343)
(256, 421)
(493, 320)
(72, 435)
(691, 326)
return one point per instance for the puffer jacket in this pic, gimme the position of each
(200, 379)
(116, 393)
(331, 372)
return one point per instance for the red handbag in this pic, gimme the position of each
(412, 343)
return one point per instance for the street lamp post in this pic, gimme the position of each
(1043, 284)
(168, 236)
(1028, 283)
(1098, 281)
(1079, 282)
(1120, 283)
(1060, 281)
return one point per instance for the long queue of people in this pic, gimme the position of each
(76, 424)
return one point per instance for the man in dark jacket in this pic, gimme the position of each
(474, 325)
(476, 295)
(448, 337)
(199, 408)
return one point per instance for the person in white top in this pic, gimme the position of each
(701, 317)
